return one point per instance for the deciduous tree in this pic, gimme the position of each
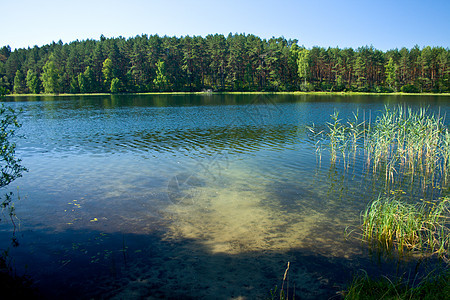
(161, 80)
(303, 64)
(115, 85)
(50, 76)
(33, 83)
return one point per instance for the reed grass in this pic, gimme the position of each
(401, 144)
(431, 287)
(400, 141)
(391, 223)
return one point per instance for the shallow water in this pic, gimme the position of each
(189, 196)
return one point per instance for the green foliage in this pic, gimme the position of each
(303, 65)
(10, 167)
(86, 81)
(364, 287)
(19, 86)
(431, 287)
(236, 62)
(360, 73)
(107, 71)
(306, 87)
(393, 223)
(161, 80)
(409, 89)
(4, 84)
(50, 76)
(391, 73)
(33, 83)
(74, 87)
(115, 86)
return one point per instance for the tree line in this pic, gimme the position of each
(237, 62)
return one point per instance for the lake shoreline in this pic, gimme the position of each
(238, 93)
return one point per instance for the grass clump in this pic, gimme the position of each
(391, 223)
(432, 287)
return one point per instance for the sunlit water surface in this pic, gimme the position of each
(190, 196)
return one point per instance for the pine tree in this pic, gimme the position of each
(19, 86)
(391, 74)
(360, 73)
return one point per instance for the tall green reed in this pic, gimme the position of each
(392, 223)
(400, 141)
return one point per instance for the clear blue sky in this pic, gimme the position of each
(385, 24)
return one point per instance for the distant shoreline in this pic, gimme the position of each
(236, 93)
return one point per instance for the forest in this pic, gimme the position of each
(237, 62)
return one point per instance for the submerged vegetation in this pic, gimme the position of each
(237, 62)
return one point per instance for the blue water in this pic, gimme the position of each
(189, 196)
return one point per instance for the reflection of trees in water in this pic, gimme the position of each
(196, 142)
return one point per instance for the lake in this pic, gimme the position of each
(191, 196)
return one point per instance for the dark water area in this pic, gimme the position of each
(192, 196)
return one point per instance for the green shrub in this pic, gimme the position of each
(409, 89)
